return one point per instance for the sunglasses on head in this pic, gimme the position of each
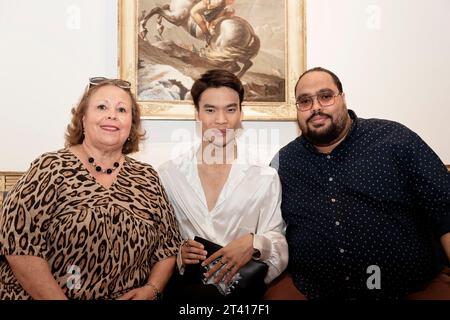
(118, 82)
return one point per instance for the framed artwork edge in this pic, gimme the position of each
(295, 44)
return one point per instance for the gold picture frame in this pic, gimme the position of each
(280, 109)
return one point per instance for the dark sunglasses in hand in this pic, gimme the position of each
(118, 82)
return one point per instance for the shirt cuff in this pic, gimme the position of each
(263, 245)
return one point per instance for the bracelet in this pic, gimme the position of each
(157, 293)
(185, 243)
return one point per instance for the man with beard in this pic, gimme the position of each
(366, 202)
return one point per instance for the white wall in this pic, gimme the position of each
(392, 57)
(48, 50)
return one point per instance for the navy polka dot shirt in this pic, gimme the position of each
(381, 197)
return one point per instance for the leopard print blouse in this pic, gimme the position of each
(99, 243)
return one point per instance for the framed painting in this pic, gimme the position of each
(164, 45)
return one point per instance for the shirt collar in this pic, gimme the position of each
(246, 156)
(187, 164)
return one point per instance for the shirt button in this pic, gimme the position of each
(341, 250)
(330, 179)
(333, 200)
(338, 223)
(328, 157)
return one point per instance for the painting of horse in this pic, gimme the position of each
(247, 37)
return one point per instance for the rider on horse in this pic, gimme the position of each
(206, 13)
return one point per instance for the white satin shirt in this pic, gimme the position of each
(248, 203)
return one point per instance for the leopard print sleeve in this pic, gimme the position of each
(26, 209)
(170, 238)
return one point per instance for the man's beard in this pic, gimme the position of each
(327, 136)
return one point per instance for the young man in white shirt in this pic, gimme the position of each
(219, 195)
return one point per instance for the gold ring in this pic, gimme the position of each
(186, 243)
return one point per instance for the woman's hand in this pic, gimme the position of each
(142, 293)
(192, 252)
(157, 280)
(233, 256)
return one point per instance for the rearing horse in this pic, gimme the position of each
(234, 39)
